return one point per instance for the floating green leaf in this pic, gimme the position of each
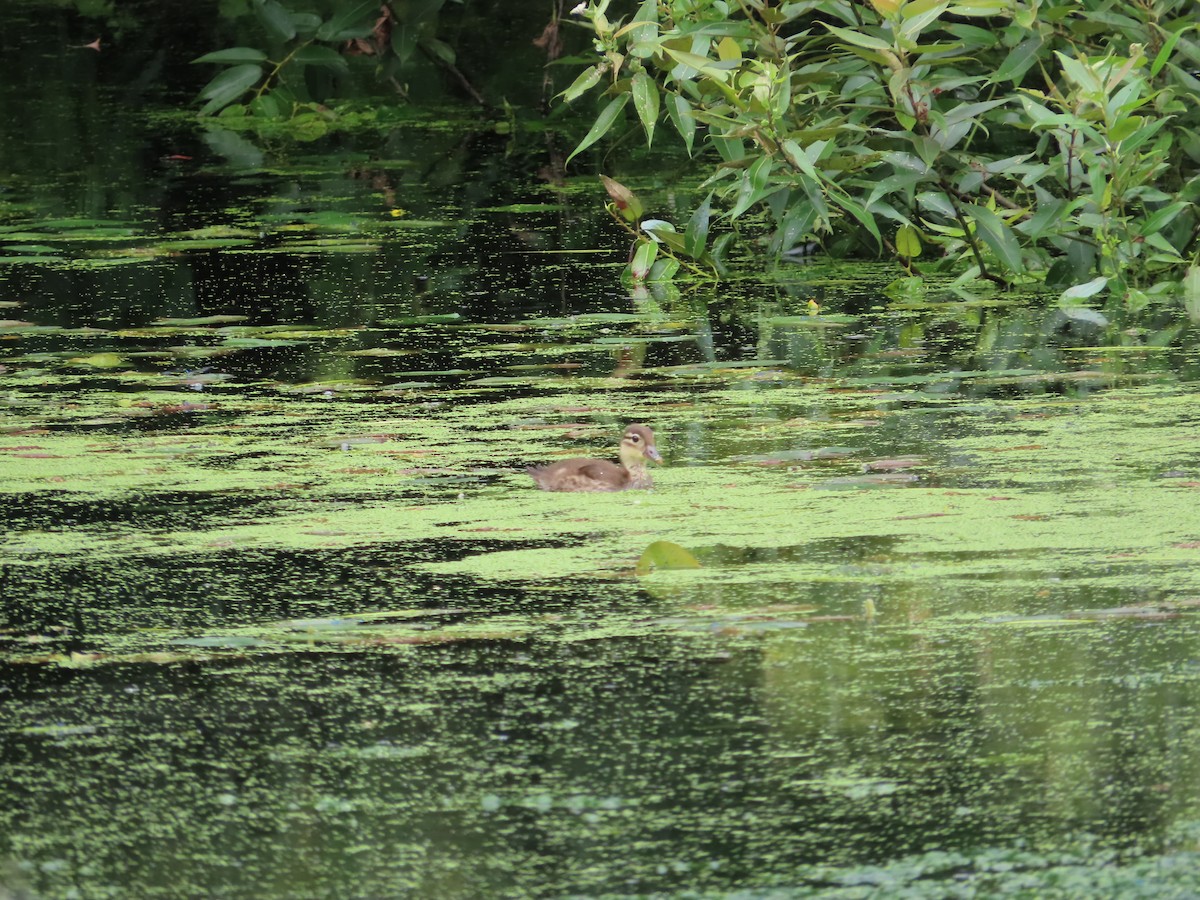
(665, 555)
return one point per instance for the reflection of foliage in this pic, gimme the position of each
(279, 85)
(1052, 141)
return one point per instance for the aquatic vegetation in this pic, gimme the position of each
(911, 609)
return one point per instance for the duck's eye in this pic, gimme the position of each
(633, 437)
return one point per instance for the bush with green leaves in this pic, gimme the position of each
(1013, 140)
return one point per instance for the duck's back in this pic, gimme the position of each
(592, 475)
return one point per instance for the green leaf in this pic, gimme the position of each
(1165, 52)
(1050, 215)
(970, 111)
(1082, 72)
(643, 259)
(719, 251)
(753, 186)
(695, 236)
(995, 232)
(982, 8)
(1042, 117)
(657, 227)
(912, 8)
(901, 183)
(1085, 315)
(815, 194)
(233, 147)
(647, 12)
(266, 106)
(732, 149)
(916, 22)
(404, 42)
(441, 50)
(645, 101)
(665, 555)
(228, 86)
(1158, 242)
(680, 112)
(587, 80)
(1149, 128)
(867, 41)
(308, 126)
(603, 123)
(642, 31)
(306, 24)
(323, 57)
(908, 241)
(352, 22)
(663, 269)
(728, 50)
(973, 38)
(1019, 61)
(696, 63)
(276, 19)
(664, 233)
(858, 212)
(760, 173)
(627, 203)
(796, 155)
(1083, 291)
(1163, 217)
(797, 224)
(233, 55)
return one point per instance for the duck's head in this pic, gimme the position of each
(638, 445)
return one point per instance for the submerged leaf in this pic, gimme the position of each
(99, 360)
(665, 555)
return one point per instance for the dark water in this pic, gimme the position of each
(280, 616)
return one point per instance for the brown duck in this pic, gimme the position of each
(595, 475)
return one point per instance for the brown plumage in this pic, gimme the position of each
(595, 475)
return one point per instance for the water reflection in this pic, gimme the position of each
(627, 766)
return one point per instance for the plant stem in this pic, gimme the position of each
(972, 242)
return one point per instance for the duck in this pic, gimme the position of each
(596, 475)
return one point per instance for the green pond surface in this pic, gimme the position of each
(281, 615)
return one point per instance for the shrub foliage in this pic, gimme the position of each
(1012, 140)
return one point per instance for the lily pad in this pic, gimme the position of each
(665, 555)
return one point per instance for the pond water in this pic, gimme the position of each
(282, 616)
